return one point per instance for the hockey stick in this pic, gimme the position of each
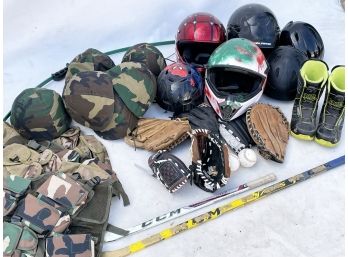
(214, 213)
(111, 236)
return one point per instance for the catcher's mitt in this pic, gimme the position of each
(210, 160)
(269, 129)
(158, 134)
(169, 169)
(204, 117)
(236, 133)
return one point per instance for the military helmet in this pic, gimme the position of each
(89, 60)
(135, 84)
(148, 55)
(88, 98)
(39, 113)
(123, 121)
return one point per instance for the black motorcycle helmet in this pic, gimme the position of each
(179, 88)
(304, 37)
(257, 23)
(285, 63)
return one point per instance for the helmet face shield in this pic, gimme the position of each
(230, 81)
(197, 37)
(196, 53)
(230, 91)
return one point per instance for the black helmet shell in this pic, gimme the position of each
(285, 63)
(179, 88)
(255, 22)
(304, 37)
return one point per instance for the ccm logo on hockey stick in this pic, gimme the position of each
(159, 218)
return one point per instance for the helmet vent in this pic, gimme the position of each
(297, 37)
(236, 28)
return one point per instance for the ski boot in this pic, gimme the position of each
(332, 114)
(312, 81)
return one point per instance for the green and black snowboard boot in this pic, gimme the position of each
(312, 81)
(332, 114)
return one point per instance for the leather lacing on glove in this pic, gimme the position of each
(169, 170)
(210, 160)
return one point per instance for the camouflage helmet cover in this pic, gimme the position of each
(135, 84)
(88, 98)
(148, 55)
(89, 60)
(39, 113)
(123, 121)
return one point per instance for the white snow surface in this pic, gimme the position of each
(41, 36)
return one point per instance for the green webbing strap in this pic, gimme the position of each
(161, 43)
(120, 50)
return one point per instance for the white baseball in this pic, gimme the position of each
(234, 162)
(247, 157)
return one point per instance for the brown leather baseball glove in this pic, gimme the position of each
(157, 134)
(269, 129)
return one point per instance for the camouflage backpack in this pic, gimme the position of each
(148, 55)
(46, 203)
(39, 113)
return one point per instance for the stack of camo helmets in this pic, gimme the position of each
(110, 98)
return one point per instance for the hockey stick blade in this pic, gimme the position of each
(214, 213)
(112, 236)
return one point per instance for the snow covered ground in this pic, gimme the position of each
(40, 37)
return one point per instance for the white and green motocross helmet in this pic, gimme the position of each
(235, 77)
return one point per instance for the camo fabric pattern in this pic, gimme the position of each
(9, 203)
(16, 185)
(39, 113)
(10, 135)
(24, 162)
(123, 121)
(135, 84)
(88, 98)
(89, 60)
(40, 216)
(69, 139)
(77, 245)
(18, 241)
(148, 55)
(64, 191)
(21, 161)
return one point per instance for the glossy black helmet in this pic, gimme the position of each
(255, 22)
(285, 63)
(304, 37)
(179, 88)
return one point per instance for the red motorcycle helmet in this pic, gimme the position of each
(198, 36)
